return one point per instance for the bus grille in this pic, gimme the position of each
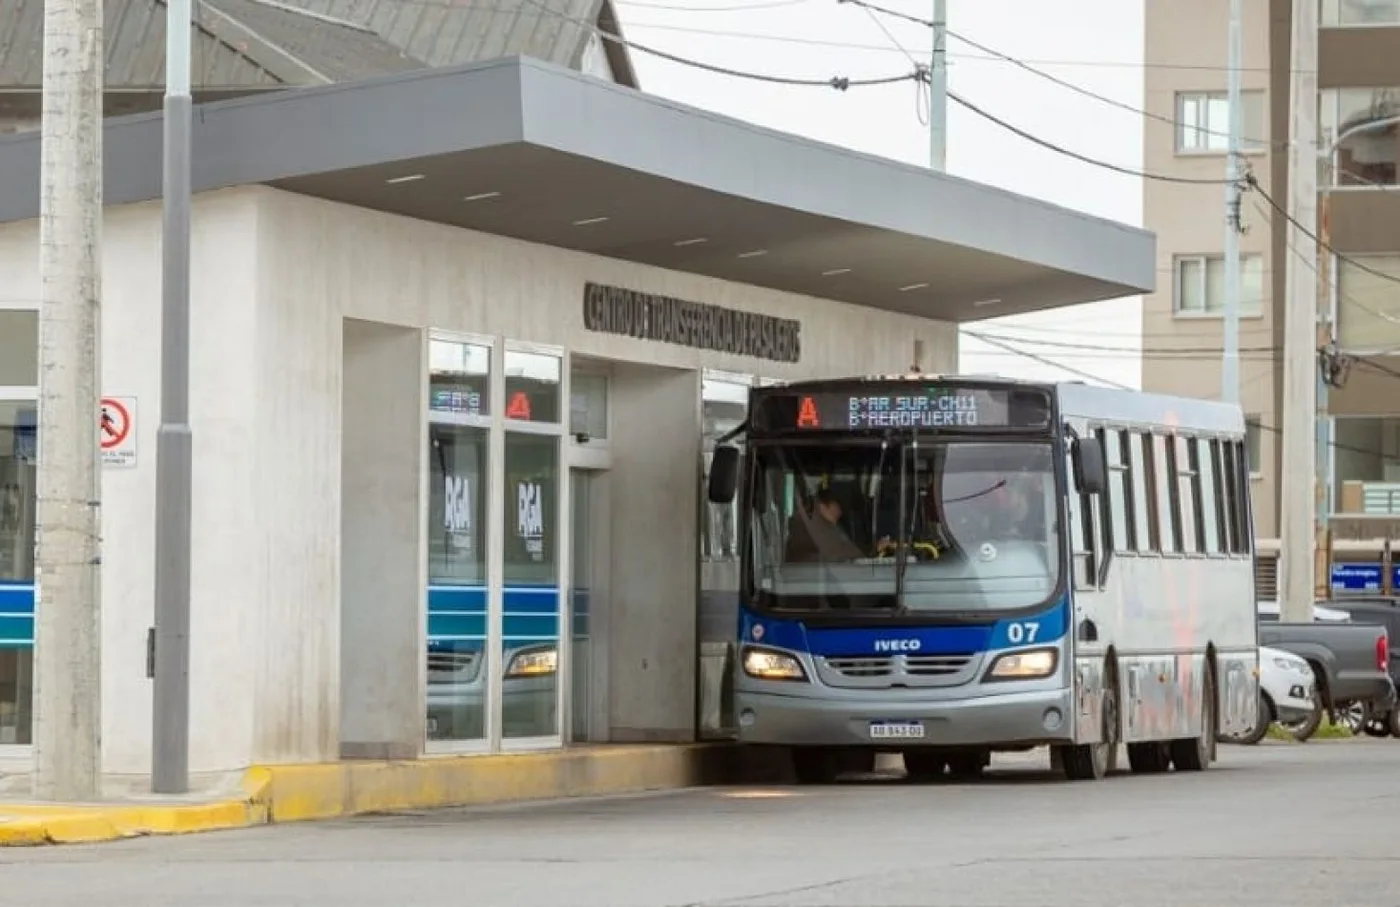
(881, 671)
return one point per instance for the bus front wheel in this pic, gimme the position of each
(1093, 761)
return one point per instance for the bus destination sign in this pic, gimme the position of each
(929, 407)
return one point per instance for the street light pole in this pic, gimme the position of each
(1230, 365)
(171, 693)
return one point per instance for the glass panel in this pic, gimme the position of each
(1119, 491)
(581, 564)
(19, 348)
(1361, 135)
(457, 672)
(1190, 285)
(18, 431)
(1205, 464)
(1162, 488)
(459, 376)
(1253, 441)
(530, 621)
(1361, 12)
(1187, 493)
(1143, 504)
(1368, 316)
(588, 405)
(532, 386)
(724, 405)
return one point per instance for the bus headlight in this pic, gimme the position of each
(533, 663)
(1027, 665)
(766, 664)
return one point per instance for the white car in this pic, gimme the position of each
(1286, 688)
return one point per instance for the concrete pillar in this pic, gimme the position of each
(382, 591)
(652, 626)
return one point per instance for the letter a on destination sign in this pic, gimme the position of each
(807, 414)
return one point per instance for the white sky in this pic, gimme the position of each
(1093, 43)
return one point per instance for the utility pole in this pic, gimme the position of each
(938, 89)
(1230, 366)
(1297, 500)
(1322, 424)
(171, 695)
(68, 631)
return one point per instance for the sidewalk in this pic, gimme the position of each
(292, 793)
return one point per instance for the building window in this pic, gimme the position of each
(1361, 131)
(1360, 12)
(532, 386)
(1254, 443)
(19, 347)
(459, 377)
(18, 434)
(1203, 122)
(1199, 285)
(1366, 464)
(1368, 303)
(588, 406)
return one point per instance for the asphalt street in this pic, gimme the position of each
(1278, 825)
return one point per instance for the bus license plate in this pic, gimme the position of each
(896, 730)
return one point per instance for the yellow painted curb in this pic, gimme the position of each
(24, 824)
(291, 793)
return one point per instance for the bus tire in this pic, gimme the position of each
(924, 765)
(1093, 761)
(1150, 758)
(816, 764)
(1195, 754)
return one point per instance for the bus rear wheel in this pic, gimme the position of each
(816, 764)
(1195, 754)
(1149, 758)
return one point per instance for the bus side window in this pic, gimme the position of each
(1120, 528)
(1207, 468)
(1144, 511)
(1244, 532)
(1169, 536)
(1229, 495)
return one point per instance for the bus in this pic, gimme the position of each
(948, 567)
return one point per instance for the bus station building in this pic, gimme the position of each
(460, 341)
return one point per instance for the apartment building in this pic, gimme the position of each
(1358, 147)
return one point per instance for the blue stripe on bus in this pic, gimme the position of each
(1047, 626)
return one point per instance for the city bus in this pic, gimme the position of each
(948, 567)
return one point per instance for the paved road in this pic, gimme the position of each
(1273, 825)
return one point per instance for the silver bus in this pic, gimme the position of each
(946, 567)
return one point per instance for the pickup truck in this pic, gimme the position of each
(1350, 660)
(1384, 610)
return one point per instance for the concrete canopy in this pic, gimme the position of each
(520, 148)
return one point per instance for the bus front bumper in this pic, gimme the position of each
(1014, 719)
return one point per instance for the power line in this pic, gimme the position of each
(840, 83)
(1098, 379)
(1059, 149)
(1253, 183)
(736, 8)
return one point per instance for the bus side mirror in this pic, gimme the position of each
(724, 474)
(1090, 474)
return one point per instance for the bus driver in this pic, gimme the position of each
(816, 535)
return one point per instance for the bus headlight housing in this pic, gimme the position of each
(533, 663)
(1028, 664)
(769, 664)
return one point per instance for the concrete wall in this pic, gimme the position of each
(275, 276)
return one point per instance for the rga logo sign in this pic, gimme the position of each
(529, 518)
(457, 511)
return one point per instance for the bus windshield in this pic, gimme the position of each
(976, 522)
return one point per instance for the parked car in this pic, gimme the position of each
(1351, 664)
(1286, 693)
(1383, 610)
